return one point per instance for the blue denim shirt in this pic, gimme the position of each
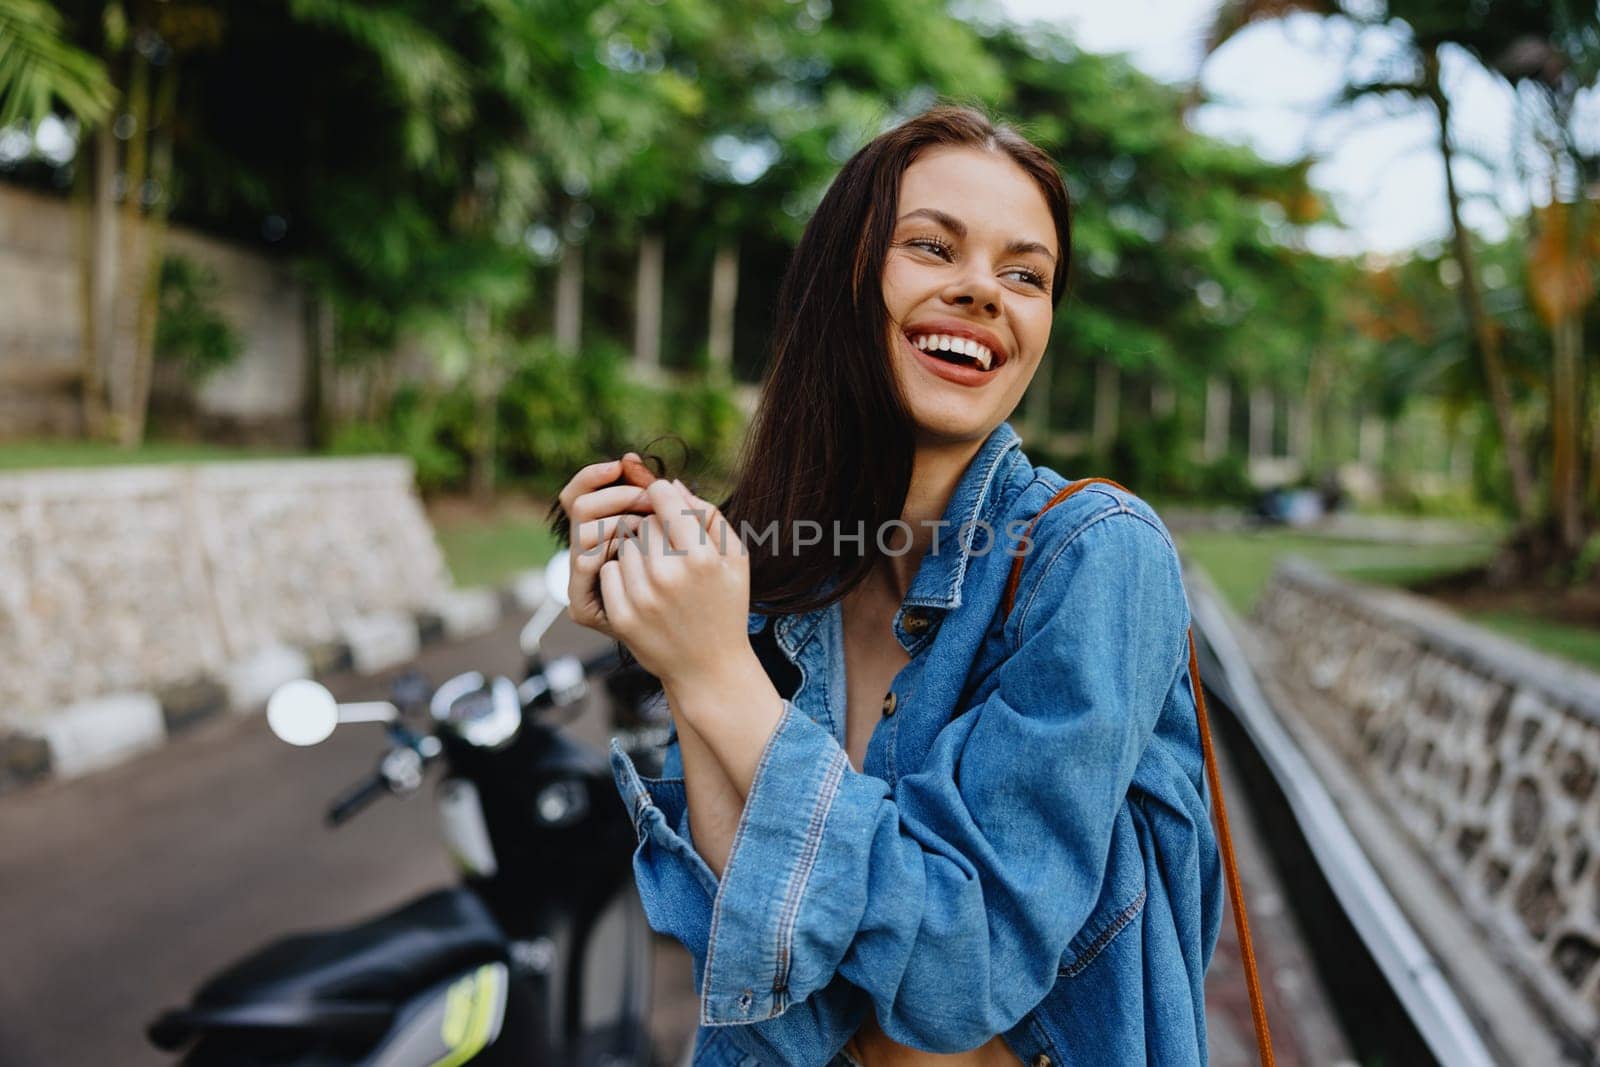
(1027, 850)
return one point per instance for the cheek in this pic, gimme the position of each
(1033, 329)
(896, 289)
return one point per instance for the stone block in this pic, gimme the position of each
(381, 639)
(23, 758)
(467, 612)
(184, 704)
(99, 733)
(251, 680)
(528, 588)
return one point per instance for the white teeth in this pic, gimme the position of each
(930, 341)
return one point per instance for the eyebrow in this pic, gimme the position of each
(1016, 246)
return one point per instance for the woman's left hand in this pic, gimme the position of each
(678, 593)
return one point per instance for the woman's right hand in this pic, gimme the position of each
(595, 508)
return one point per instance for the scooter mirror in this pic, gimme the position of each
(557, 573)
(302, 712)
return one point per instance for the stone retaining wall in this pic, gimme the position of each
(144, 578)
(1487, 753)
(261, 395)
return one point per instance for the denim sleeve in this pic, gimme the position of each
(948, 900)
(678, 890)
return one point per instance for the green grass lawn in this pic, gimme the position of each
(28, 455)
(1239, 563)
(488, 548)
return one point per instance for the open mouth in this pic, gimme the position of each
(962, 351)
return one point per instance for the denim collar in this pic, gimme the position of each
(972, 513)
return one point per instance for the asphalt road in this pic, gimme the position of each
(121, 890)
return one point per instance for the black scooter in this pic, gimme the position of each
(540, 957)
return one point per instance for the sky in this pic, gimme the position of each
(1270, 86)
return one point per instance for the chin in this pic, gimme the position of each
(942, 424)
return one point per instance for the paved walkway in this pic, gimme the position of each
(119, 891)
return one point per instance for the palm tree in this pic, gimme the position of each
(1235, 15)
(1527, 42)
(39, 68)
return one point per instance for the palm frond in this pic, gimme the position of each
(1235, 15)
(38, 67)
(429, 77)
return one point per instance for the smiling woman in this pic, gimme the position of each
(901, 824)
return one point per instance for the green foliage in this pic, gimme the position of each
(431, 428)
(190, 330)
(559, 412)
(555, 413)
(39, 67)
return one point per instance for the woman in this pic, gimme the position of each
(898, 824)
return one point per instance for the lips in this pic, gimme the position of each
(963, 374)
(955, 328)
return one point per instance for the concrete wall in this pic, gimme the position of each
(1484, 752)
(139, 578)
(262, 394)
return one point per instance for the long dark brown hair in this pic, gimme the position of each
(832, 440)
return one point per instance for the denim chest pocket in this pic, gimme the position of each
(1122, 898)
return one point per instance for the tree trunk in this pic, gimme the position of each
(131, 256)
(1260, 423)
(647, 303)
(319, 364)
(724, 298)
(1460, 455)
(1218, 402)
(155, 226)
(485, 395)
(100, 248)
(1594, 446)
(1107, 394)
(1566, 392)
(569, 288)
(1163, 401)
(1300, 431)
(1485, 332)
(1371, 444)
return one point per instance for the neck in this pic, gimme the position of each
(935, 473)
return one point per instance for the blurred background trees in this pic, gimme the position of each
(533, 231)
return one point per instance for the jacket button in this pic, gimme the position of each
(915, 622)
(888, 703)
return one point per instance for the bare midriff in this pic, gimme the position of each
(871, 1047)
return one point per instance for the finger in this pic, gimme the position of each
(675, 509)
(613, 591)
(631, 563)
(636, 471)
(591, 477)
(607, 501)
(593, 532)
(719, 531)
(627, 526)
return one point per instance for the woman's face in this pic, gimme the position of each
(971, 258)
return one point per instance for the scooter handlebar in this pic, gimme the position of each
(357, 797)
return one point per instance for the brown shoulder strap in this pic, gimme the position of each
(1258, 1010)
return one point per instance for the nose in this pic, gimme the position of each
(975, 288)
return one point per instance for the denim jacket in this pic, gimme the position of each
(1027, 850)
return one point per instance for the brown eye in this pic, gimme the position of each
(932, 244)
(1033, 278)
